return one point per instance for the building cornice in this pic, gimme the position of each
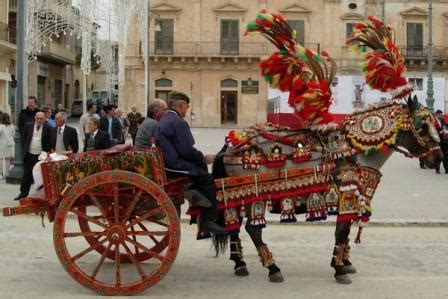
(414, 12)
(352, 16)
(161, 8)
(296, 9)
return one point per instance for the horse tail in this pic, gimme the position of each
(220, 243)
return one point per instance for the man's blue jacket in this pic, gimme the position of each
(174, 137)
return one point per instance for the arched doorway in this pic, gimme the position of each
(229, 101)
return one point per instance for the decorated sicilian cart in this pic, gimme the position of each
(115, 213)
(116, 225)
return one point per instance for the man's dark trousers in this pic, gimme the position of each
(205, 184)
(28, 163)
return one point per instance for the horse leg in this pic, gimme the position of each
(236, 255)
(340, 253)
(255, 233)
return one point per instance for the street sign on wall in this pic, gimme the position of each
(249, 86)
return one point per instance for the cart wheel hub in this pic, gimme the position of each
(116, 234)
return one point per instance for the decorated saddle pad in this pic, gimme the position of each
(376, 127)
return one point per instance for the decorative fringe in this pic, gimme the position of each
(288, 218)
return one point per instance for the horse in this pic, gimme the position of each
(326, 170)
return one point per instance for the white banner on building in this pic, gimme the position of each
(350, 93)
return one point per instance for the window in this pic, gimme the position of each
(163, 88)
(229, 37)
(299, 27)
(162, 94)
(229, 83)
(414, 39)
(349, 29)
(164, 83)
(164, 39)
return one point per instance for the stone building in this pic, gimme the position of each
(201, 51)
(8, 51)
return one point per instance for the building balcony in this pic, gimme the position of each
(421, 53)
(6, 45)
(58, 53)
(212, 49)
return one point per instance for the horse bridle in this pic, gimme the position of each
(420, 141)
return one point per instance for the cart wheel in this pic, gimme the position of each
(93, 240)
(116, 225)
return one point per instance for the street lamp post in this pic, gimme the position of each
(147, 53)
(430, 89)
(16, 173)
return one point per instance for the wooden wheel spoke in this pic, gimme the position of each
(84, 234)
(143, 227)
(135, 239)
(149, 233)
(116, 204)
(158, 222)
(145, 249)
(134, 261)
(98, 205)
(88, 218)
(131, 205)
(87, 250)
(117, 265)
(147, 215)
(101, 261)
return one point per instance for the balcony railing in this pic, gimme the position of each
(438, 52)
(212, 49)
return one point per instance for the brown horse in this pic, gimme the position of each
(318, 171)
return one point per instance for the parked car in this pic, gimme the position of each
(77, 108)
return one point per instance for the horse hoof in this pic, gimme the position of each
(349, 269)
(241, 271)
(343, 279)
(276, 277)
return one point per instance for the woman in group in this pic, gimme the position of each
(6, 143)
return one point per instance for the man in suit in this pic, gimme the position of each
(27, 114)
(96, 139)
(37, 138)
(66, 136)
(111, 125)
(181, 157)
(442, 129)
(133, 118)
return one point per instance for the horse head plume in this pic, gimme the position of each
(305, 74)
(382, 63)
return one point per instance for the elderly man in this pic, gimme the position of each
(37, 138)
(145, 131)
(133, 117)
(66, 136)
(181, 158)
(96, 139)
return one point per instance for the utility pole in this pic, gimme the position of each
(16, 173)
(430, 89)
